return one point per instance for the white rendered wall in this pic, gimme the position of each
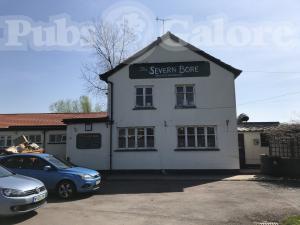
(97, 159)
(215, 102)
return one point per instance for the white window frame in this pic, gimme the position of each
(184, 86)
(6, 138)
(144, 96)
(136, 137)
(34, 141)
(196, 137)
(56, 141)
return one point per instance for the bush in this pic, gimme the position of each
(293, 220)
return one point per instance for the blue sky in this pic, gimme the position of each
(267, 90)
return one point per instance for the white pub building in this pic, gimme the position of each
(171, 106)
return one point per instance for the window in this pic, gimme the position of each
(140, 137)
(264, 140)
(196, 137)
(88, 127)
(57, 139)
(144, 97)
(185, 95)
(12, 162)
(88, 141)
(34, 138)
(39, 163)
(19, 162)
(5, 141)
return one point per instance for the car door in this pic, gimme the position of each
(34, 166)
(45, 172)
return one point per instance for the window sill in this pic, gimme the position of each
(136, 150)
(196, 149)
(185, 107)
(144, 108)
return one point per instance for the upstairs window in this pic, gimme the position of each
(139, 137)
(196, 137)
(185, 96)
(144, 97)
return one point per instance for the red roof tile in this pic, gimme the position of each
(44, 119)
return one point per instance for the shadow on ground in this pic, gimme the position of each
(284, 184)
(111, 187)
(147, 186)
(17, 219)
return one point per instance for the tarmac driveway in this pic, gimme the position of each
(172, 202)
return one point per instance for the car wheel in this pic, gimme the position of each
(66, 189)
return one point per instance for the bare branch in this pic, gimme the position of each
(111, 44)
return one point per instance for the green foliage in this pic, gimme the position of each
(82, 105)
(293, 220)
(85, 104)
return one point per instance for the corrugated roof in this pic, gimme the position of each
(43, 119)
(256, 126)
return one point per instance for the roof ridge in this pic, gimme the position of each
(170, 35)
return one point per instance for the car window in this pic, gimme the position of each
(28, 163)
(40, 164)
(34, 163)
(12, 162)
(58, 163)
(4, 172)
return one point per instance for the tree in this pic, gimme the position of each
(85, 104)
(82, 105)
(111, 44)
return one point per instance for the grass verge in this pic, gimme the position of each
(293, 220)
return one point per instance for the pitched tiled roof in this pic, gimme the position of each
(43, 119)
(256, 126)
(226, 66)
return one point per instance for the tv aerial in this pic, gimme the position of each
(162, 20)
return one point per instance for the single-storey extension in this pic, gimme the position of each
(253, 142)
(45, 129)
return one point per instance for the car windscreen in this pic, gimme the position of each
(4, 172)
(59, 164)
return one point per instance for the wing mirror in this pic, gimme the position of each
(47, 168)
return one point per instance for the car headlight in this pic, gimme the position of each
(7, 192)
(86, 176)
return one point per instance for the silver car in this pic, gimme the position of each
(20, 194)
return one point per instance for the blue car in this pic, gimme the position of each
(58, 176)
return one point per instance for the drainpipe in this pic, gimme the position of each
(44, 142)
(111, 121)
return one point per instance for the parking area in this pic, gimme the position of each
(172, 202)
